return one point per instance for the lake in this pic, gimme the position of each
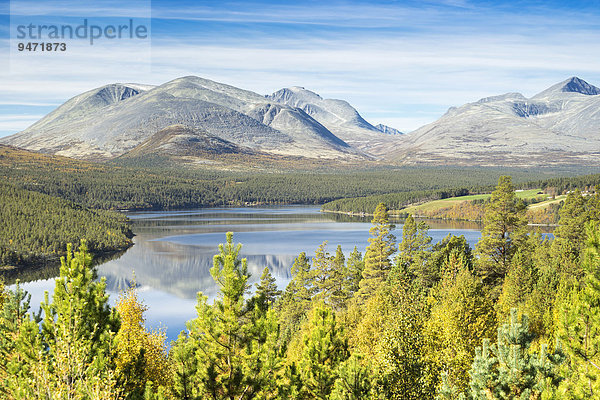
(173, 252)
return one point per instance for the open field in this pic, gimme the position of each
(432, 206)
(546, 203)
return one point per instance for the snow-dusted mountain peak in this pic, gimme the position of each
(571, 85)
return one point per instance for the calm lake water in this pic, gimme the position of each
(173, 252)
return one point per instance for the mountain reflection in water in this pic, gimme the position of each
(174, 250)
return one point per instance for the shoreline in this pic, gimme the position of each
(9, 274)
(398, 215)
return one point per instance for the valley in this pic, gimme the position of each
(149, 180)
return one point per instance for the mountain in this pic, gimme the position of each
(180, 140)
(112, 120)
(571, 85)
(338, 116)
(559, 125)
(388, 130)
(193, 119)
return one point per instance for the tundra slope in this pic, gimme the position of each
(110, 121)
(192, 116)
(559, 125)
(340, 118)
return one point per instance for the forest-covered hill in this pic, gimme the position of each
(36, 228)
(110, 186)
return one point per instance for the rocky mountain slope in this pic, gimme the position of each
(559, 125)
(388, 130)
(192, 117)
(339, 117)
(109, 121)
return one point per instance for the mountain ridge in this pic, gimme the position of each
(570, 85)
(388, 130)
(111, 120)
(338, 116)
(558, 125)
(197, 116)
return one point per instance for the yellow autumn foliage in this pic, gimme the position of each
(461, 316)
(142, 354)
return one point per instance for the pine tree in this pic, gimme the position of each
(509, 369)
(79, 327)
(324, 348)
(413, 253)
(14, 315)
(520, 280)
(579, 324)
(483, 373)
(289, 384)
(72, 356)
(593, 205)
(504, 232)
(296, 300)
(322, 271)
(340, 280)
(266, 291)
(355, 265)
(331, 277)
(441, 253)
(142, 359)
(236, 347)
(354, 380)
(302, 286)
(377, 256)
(77, 293)
(547, 282)
(13, 310)
(186, 381)
(573, 216)
(570, 235)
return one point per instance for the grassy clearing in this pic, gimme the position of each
(443, 203)
(546, 203)
(435, 205)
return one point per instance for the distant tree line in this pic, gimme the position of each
(398, 201)
(395, 201)
(564, 184)
(117, 186)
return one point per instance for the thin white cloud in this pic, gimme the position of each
(410, 77)
(427, 16)
(15, 123)
(365, 16)
(69, 8)
(6, 102)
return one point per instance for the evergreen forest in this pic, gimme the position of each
(516, 317)
(36, 228)
(113, 186)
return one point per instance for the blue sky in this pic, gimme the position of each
(402, 63)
